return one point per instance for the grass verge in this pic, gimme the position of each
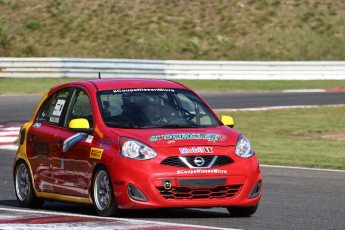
(270, 85)
(312, 137)
(262, 30)
(40, 85)
(30, 85)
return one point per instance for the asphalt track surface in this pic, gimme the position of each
(293, 198)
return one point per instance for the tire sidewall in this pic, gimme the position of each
(112, 208)
(31, 200)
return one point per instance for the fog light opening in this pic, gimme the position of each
(135, 194)
(256, 190)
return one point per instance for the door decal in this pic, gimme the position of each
(71, 141)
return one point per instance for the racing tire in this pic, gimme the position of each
(242, 211)
(103, 193)
(25, 193)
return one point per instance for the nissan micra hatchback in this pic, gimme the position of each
(134, 144)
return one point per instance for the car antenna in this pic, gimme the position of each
(99, 75)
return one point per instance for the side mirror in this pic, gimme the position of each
(80, 125)
(228, 121)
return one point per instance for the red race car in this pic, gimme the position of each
(134, 144)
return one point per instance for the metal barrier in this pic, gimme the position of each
(169, 69)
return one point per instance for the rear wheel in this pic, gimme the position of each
(25, 193)
(242, 211)
(103, 194)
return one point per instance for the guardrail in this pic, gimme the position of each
(170, 69)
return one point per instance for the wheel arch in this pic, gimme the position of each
(17, 161)
(111, 208)
(31, 200)
(95, 169)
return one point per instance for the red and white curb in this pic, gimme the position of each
(9, 134)
(37, 220)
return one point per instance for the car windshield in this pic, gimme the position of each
(154, 108)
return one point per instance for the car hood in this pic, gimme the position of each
(221, 136)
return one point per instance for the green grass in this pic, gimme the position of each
(40, 85)
(29, 85)
(272, 85)
(174, 29)
(296, 137)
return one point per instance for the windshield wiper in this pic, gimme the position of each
(115, 124)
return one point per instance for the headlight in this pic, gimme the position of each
(135, 149)
(243, 147)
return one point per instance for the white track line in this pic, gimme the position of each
(279, 107)
(302, 168)
(304, 91)
(8, 139)
(9, 147)
(13, 128)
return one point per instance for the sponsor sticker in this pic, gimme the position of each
(96, 153)
(54, 119)
(89, 139)
(196, 150)
(37, 125)
(189, 136)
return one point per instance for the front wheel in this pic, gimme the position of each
(242, 211)
(103, 194)
(26, 196)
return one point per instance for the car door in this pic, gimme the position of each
(73, 172)
(41, 138)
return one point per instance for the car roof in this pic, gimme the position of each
(130, 83)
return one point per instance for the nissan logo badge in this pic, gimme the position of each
(199, 161)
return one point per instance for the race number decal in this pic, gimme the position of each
(58, 107)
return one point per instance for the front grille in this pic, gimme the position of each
(207, 159)
(176, 161)
(173, 161)
(180, 193)
(223, 160)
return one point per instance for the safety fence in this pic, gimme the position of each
(170, 69)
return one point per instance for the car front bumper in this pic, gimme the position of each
(147, 186)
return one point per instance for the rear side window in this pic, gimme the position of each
(53, 109)
(80, 107)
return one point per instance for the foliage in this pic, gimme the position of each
(174, 29)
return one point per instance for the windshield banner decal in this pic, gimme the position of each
(143, 90)
(189, 136)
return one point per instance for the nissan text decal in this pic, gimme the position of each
(201, 171)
